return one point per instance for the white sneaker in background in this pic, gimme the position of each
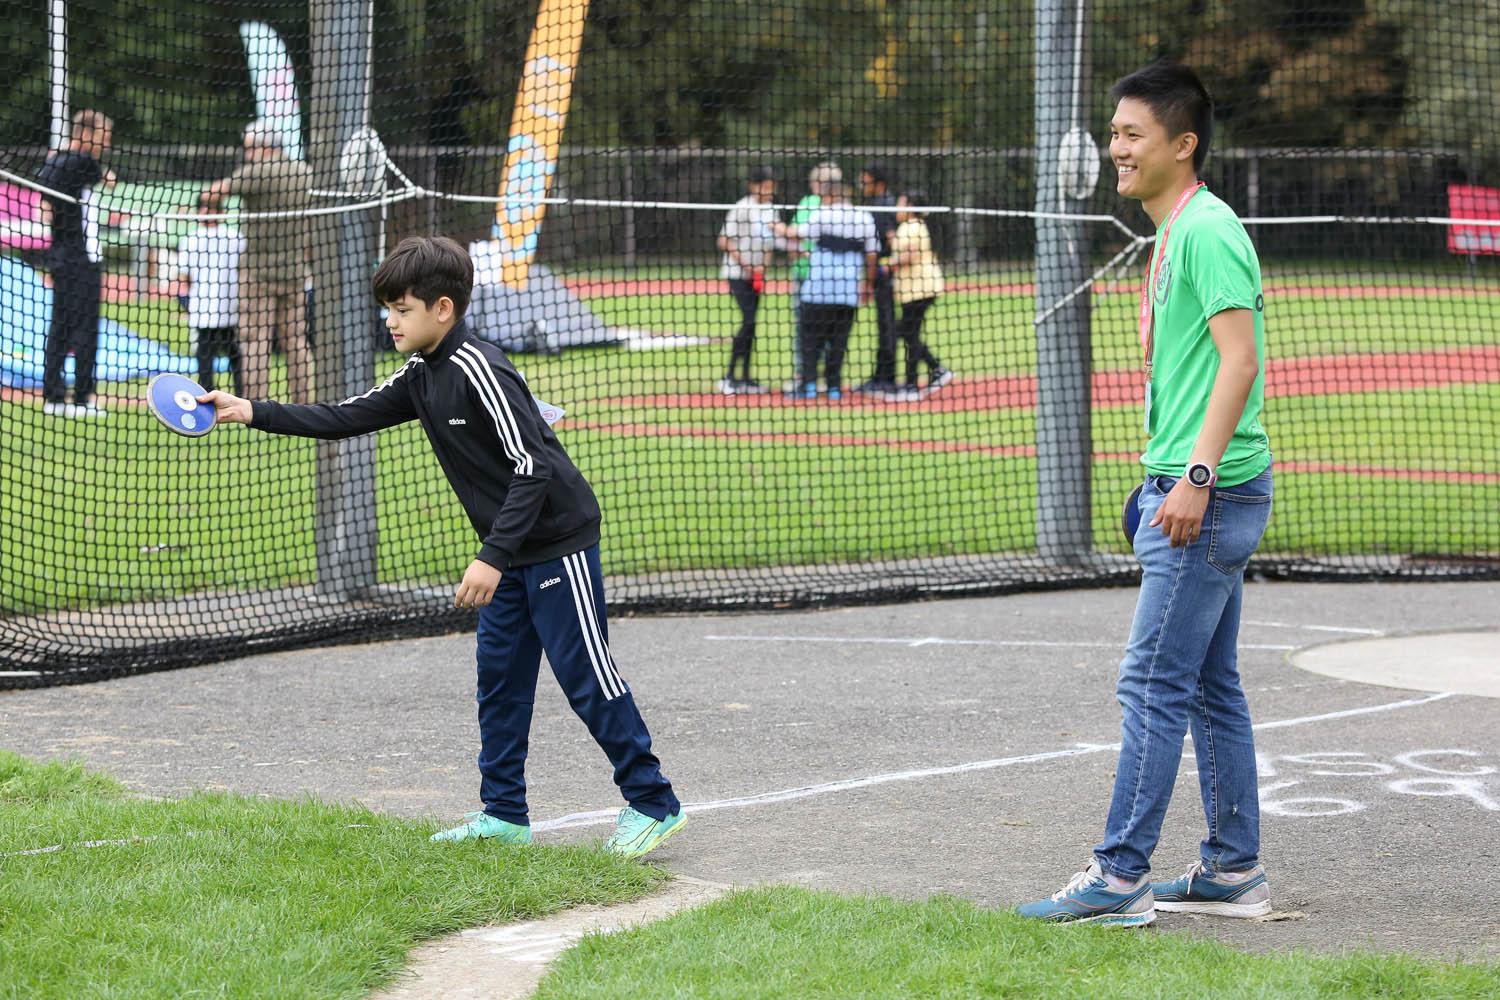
(69, 410)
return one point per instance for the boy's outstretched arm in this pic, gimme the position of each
(386, 405)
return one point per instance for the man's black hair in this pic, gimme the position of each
(1177, 98)
(880, 173)
(429, 267)
(759, 175)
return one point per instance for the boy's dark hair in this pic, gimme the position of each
(759, 175)
(1177, 98)
(916, 198)
(430, 268)
(880, 173)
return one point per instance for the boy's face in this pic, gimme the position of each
(763, 191)
(416, 326)
(870, 186)
(1147, 158)
(901, 202)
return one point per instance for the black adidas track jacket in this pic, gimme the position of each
(525, 497)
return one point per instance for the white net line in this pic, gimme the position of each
(410, 191)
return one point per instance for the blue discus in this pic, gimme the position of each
(173, 400)
(1130, 518)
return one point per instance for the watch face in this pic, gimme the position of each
(1200, 475)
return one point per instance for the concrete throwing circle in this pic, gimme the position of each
(1460, 662)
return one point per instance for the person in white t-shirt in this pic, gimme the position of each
(208, 260)
(747, 242)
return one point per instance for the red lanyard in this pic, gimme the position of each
(1148, 314)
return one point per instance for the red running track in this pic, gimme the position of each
(1333, 375)
(590, 288)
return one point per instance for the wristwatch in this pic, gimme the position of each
(1200, 475)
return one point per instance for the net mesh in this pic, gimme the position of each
(600, 148)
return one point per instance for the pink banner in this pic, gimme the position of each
(1469, 201)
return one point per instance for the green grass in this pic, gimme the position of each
(795, 943)
(114, 511)
(220, 895)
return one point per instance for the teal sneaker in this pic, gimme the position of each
(1088, 899)
(483, 826)
(1198, 891)
(637, 834)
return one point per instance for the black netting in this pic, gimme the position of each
(1350, 135)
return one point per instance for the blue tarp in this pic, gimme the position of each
(26, 311)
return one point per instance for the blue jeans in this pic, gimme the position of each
(1180, 668)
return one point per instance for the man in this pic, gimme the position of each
(274, 268)
(72, 171)
(746, 241)
(875, 182)
(1204, 507)
(820, 181)
(839, 279)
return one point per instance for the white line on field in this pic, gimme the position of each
(603, 816)
(933, 640)
(1317, 628)
(1346, 713)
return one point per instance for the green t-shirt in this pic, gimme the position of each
(1210, 266)
(802, 266)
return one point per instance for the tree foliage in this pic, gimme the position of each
(826, 73)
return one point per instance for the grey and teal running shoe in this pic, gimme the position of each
(1088, 899)
(1198, 891)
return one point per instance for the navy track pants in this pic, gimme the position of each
(557, 607)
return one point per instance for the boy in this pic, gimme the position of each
(536, 578)
(1204, 507)
(208, 260)
(917, 280)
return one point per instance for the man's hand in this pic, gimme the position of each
(1181, 513)
(478, 585)
(228, 407)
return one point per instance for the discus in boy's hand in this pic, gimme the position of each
(173, 399)
(1130, 519)
(758, 280)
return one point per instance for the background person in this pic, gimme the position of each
(820, 181)
(73, 170)
(747, 242)
(208, 262)
(917, 280)
(274, 268)
(1204, 506)
(840, 275)
(875, 182)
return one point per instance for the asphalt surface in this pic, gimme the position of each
(800, 741)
